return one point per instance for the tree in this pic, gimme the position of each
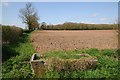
(44, 25)
(34, 22)
(29, 16)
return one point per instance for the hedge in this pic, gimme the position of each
(11, 34)
(81, 26)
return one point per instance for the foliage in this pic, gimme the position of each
(11, 34)
(81, 26)
(18, 66)
(7, 52)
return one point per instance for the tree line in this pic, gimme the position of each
(79, 26)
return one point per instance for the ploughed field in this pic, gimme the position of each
(53, 40)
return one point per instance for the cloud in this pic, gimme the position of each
(104, 19)
(88, 22)
(88, 16)
(94, 15)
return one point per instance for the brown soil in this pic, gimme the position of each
(49, 40)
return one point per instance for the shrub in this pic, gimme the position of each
(10, 34)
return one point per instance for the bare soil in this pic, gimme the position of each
(53, 40)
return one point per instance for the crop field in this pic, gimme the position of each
(49, 40)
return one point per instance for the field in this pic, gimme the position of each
(53, 40)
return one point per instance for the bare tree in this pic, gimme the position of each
(29, 16)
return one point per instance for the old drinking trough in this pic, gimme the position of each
(40, 65)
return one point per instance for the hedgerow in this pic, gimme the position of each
(11, 34)
(81, 26)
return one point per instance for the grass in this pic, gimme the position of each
(107, 66)
(62, 54)
(74, 54)
(18, 66)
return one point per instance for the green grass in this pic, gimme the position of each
(63, 54)
(74, 54)
(18, 66)
(107, 66)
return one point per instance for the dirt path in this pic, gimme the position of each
(48, 40)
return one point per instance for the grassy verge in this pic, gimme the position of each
(18, 66)
(107, 66)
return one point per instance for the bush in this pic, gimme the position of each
(10, 34)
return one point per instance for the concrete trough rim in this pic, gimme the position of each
(46, 63)
(38, 54)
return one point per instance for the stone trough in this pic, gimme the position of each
(40, 65)
(37, 65)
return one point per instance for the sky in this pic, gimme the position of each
(60, 12)
(60, 0)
